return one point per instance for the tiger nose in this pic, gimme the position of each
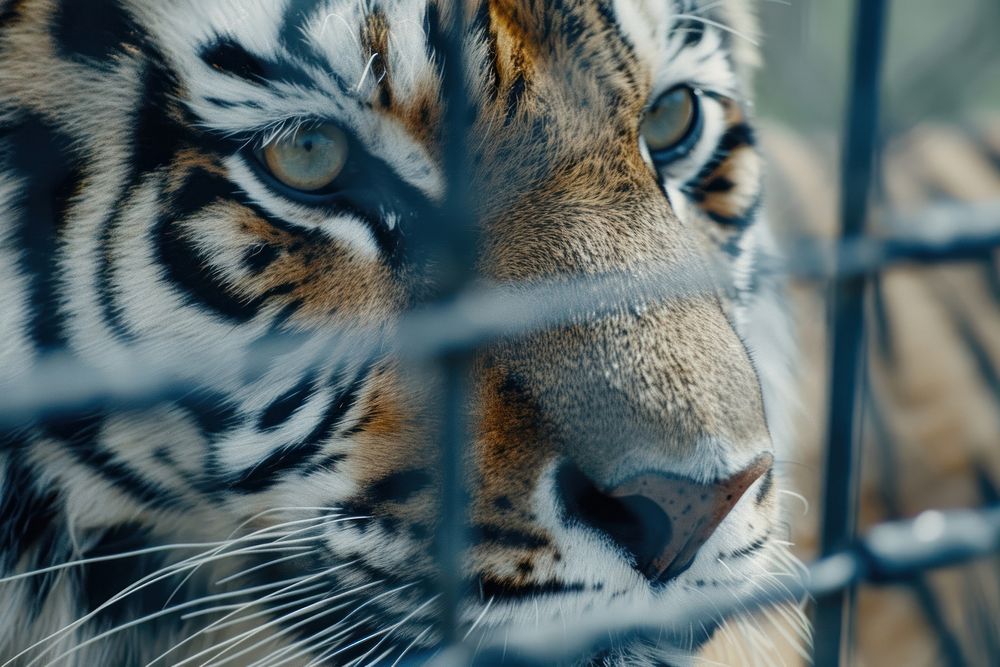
(662, 520)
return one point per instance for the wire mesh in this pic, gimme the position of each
(461, 317)
(834, 612)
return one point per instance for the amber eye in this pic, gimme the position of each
(671, 125)
(309, 160)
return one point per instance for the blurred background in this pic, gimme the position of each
(931, 410)
(942, 62)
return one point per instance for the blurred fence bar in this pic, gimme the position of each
(454, 256)
(834, 612)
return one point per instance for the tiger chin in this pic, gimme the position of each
(183, 182)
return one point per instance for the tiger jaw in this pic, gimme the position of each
(584, 576)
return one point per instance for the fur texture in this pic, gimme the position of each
(136, 223)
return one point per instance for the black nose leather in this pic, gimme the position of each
(662, 520)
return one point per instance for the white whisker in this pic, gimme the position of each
(287, 629)
(386, 632)
(313, 643)
(145, 581)
(262, 566)
(229, 607)
(717, 24)
(155, 615)
(296, 584)
(798, 496)
(475, 624)
(410, 646)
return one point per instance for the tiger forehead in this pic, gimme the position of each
(515, 41)
(512, 43)
(534, 57)
(568, 37)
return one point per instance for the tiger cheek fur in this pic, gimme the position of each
(138, 217)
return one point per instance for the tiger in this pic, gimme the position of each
(235, 192)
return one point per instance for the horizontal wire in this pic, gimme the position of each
(130, 380)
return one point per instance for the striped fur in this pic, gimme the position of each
(135, 223)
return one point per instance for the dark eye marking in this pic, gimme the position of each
(228, 57)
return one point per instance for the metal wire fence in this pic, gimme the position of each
(461, 318)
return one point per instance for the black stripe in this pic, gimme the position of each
(184, 266)
(738, 135)
(156, 141)
(213, 412)
(93, 30)
(436, 38)
(731, 246)
(229, 57)
(398, 487)
(11, 11)
(622, 50)
(228, 105)
(740, 221)
(282, 408)
(258, 257)
(693, 30)
(292, 36)
(264, 475)
(200, 189)
(339, 406)
(508, 537)
(190, 272)
(515, 95)
(765, 486)
(111, 310)
(324, 465)
(509, 590)
(28, 511)
(99, 582)
(42, 156)
(749, 549)
(80, 435)
(717, 184)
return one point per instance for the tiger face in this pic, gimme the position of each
(179, 178)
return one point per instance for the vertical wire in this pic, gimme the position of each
(834, 613)
(454, 256)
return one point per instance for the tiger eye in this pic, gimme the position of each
(309, 160)
(670, 119)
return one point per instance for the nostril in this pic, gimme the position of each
(662, 520)
(635, 523)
